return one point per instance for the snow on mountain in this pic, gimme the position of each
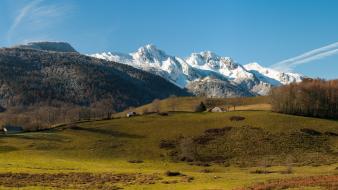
(205, 73)
(273, 76)
(223, 65)
(116, 57)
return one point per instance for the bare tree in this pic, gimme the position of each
(312, 97)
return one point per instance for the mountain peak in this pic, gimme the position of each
(208, 54)
(150, 48)
(253, 66)
(49, 46)
(149, 54)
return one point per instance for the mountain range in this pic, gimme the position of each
(54, 71)
(205, 73)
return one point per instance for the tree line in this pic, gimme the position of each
(311, 97)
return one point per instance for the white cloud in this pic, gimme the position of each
(35, 16)
(316, 54)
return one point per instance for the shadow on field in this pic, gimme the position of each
(106, 132)
(36, 136)
(4, 149)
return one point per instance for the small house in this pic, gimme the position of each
(4, 130)
(11, 129)
(131, 114)
(216, 109)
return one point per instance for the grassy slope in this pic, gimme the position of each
(188, 104)
(105, 146)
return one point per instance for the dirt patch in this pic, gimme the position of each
(237, 118)
(310, 132)
(328, 182)
(76, 180)
(217, 131)
(172, 173)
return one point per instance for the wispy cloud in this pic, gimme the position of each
(316, 54)
(34, 16)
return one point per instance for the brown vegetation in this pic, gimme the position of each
(45, 115)
(312, 97)
(75, 180)
(328, 182)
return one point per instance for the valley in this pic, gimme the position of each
(131, 146)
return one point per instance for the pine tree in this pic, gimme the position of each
(201, 107)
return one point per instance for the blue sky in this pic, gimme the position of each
(265, 31)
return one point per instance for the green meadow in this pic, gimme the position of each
(131, 146)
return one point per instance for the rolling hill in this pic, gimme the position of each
(136, 153)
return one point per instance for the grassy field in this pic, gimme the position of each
(189, 104)
(126, 153)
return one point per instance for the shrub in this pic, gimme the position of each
(172, 173)
(328, 133)
(310, 132)
(163, 114)
(200, 108)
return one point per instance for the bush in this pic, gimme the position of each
(172, 173)
(310, 132)
(201, 107)
(328, 133)
(163, 114)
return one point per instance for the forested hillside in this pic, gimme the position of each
(30, 77)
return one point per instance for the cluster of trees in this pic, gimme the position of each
(46, 114)
(312, 97)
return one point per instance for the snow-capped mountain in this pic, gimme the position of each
(273, 76)
(205, 73)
